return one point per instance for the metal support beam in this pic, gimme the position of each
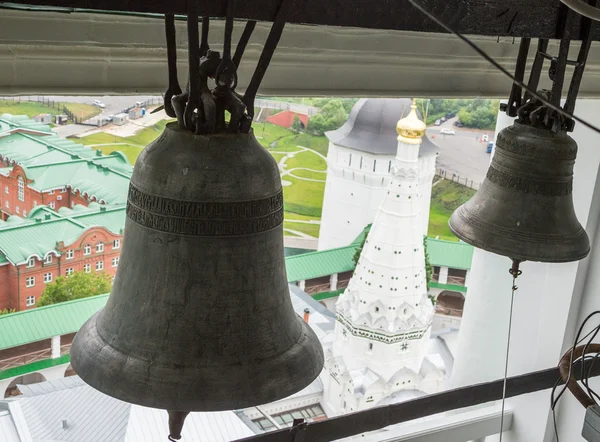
(513, 18)
(380, 417)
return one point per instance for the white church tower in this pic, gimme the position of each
(359, 166)
(379, 354)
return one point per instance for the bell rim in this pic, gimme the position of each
(458, 218)
(94, 373)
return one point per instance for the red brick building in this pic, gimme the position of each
(62, 209)
(46, 245)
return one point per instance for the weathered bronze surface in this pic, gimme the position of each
(524, 208)
(200, 316)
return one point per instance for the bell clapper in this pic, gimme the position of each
(176, 420)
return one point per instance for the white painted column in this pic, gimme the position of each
(467, 278)
(55, 344)
(443, 277)
(546, 306)
(333, 282)
(302, 284)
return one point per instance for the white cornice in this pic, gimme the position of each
(104, 54)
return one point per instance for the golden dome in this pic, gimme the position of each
(411, 127)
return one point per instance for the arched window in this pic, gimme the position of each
(21, 188)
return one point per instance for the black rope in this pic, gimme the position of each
(174, 88)
(266, 55)
(204, 46)
(193, 103)
(241, 46)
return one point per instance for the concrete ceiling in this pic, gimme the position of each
(83, 53)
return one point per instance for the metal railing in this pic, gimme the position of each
(383, 416)
(449, 175)
(31, 357)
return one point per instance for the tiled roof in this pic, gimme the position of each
(44, 322)
(40, 232)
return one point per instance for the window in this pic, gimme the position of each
(360, 167)
(70, 254)
(100, 247)
(87, 249)
(87, 268)
(31, 262)
(6, 205)
(6, 189)
(51, 204)
(24, 213)
(376, 309)
(48, 259)
(389, 166)
(34, 203)
(51, 192)
(47, 278)
(117, 244)
(350, 160)
(17, 209)
(63, 190)
(374, 164)
(99, 265)
(370, 346)
(58, 198)
(30, 281)
(20, 188)
(30, 301)
(69, 271)
(115, 261)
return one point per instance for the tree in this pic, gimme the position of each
(332, 116)
(7, 311)
(359, 250)
(76, 286)
(296, 125)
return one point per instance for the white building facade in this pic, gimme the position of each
(380, 349)
(359, 164)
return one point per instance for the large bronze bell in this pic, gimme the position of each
(524, 208)
(200, 316)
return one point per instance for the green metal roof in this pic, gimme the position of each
(41, 231)
(323, 263)
(44, 322)
(52, 162)
(456, 255)
(455, 287)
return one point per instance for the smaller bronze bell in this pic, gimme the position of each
(524, 208)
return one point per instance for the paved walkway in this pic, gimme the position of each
(133, 126)
(286, 155)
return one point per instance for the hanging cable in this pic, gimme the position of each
(515, 272)
(483, 54)
(583, 8)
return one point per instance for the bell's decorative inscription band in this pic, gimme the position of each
(545, 188)
(204, 218)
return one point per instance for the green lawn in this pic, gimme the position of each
(446, 196)
(303, 197)
(309, 229)
(307, 159)
(82, 110)
(301, 173)
(33, 108)
(133, 144)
